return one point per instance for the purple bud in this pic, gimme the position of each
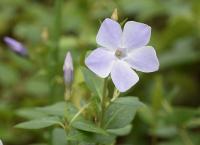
(68, 70)
(16, 46)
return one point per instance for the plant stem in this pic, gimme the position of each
(57, 28)
(116, 94)
(53, 57)
(185, 137)
(103, 102)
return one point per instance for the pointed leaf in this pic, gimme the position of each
(121, 112)
(39, 123)
(121, 131)
(94, 83)
(88, 126)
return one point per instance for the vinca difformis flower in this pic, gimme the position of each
(16, 46)
(122, 51)
(68, 70)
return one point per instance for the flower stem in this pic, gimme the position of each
(103, 102)
(185, 137)
(53, 58)
(116, 94)
(57, 28)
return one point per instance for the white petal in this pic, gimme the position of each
(109, 34)
(135, 35)
(143, 59)
(100, 61)
(123, 76)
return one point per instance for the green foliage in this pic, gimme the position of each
(121, 131)
(121, 112)
(94, 83)
(40, 123)
(59, 137)
(171, 95)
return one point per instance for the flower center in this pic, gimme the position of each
(119, 54)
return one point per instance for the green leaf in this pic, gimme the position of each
(57, 109)
(88, 126)
(89, 138)
(121, 112)
(37, 87)
(180, 116)
(121, 131)
(30, 113)
(59, 137)
(193, 123)
(12, 75)
(39, 123)
(94, 83)
(164, 131)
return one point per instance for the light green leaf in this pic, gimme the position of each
(39, 123)
(121, 112)
(57, 109)
(8, 75)
(94, 83)
(88, 126)
(59, 137)
(121, 131)
(89, 138)
(30, 113)
(193, 123)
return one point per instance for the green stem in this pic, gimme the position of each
(54, 48)
(57, 28)
(103, 102)
(185, 137)
(116, 94)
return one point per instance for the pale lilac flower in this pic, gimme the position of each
(68, 70)
(16, 46)
(122, 51)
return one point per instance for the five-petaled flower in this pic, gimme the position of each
(122, 51)
(16, 46)
(68, 70)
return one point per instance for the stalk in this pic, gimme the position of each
(103, 102)
(54, 48)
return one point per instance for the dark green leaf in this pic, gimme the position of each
(88, 126)
(94, 83)
(121, 131)
(57, 109)
(59, 137)
(121, 112)
(39, 123)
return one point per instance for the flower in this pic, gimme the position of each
(68, 70)
(122, 51)
(16, 46)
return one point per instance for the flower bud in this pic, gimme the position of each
(68, 70)
(115, 15)
(16, 46)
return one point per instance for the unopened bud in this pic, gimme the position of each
(68, 70)
(115, 15)
(16, 46)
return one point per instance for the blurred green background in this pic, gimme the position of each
(172, 114)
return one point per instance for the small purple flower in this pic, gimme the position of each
(16, 46)
(68, 70)
(122, 51)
